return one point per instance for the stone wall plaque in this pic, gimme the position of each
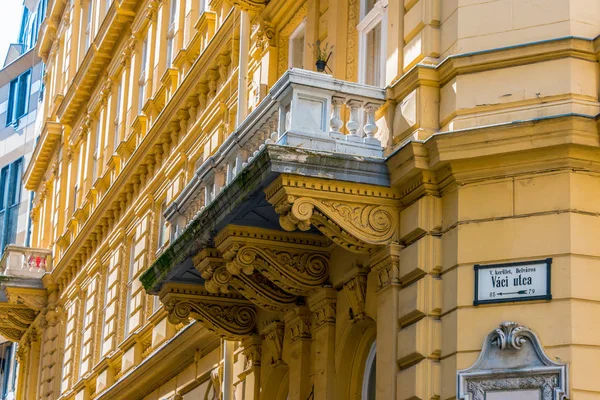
(513, 366)
(519, 281)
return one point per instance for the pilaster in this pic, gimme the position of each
(323, 306)
(299, 353)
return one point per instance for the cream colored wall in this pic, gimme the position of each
(475, 25)
(530, 216)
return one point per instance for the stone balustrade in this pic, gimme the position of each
(25, 262)
(303, 109)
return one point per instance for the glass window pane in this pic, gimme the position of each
(373, 57)
(369, 4)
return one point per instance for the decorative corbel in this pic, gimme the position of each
(296, 263)
(251, 349)
(355, 289)
(298, 321)
(253, 7)
(229, 316)
(255, 286)
(354, 216)
(323, 306)
(274, 340)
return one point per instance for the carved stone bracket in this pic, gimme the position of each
(297, 263)
(253, 7)
(323, 306)
(355, 289)
(513, 359)
(15, 320)
(252, 348)
(274, 340)
(228, 315)
(386, 263)
(354, 216)
(36, 299)
(298, 320)
(255, 286)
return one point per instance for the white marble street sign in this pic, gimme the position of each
(519, 281)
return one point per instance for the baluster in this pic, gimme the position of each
(353, 123)
(370, 128)
(336, 121)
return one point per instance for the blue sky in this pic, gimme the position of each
(10, 18)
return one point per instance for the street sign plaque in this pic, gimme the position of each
(519, 281)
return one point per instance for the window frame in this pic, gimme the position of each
(18, 98)
(300, 29)
(11, 187)
(368, 22)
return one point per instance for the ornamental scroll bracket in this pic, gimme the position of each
(255, 286)
(230, 316)
(359, 218)
(512, 362)
(294, 262)
(253, 7)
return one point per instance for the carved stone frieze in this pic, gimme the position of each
(353, 216)
(274, 340)
(229, 316)
(254, 286)
(296, 263)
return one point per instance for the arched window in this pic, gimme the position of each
(368, 386)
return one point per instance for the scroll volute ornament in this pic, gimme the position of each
(253, 7)
(358, 219)
(253, 286)
(296, 263)
(230, 316)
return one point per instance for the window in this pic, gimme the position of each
(142, 80)
(162, 226)
(117, 137)
(296, 47)
(10, 198)
(18, 98)
(88, 26)
(202, 7)
(96, 155)
(372, 42)
(368, 386)
(130, 287)
(171, 32)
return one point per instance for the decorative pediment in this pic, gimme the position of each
(254, 286)
(228, 315)
(296, 263)
(357, 217)
(512, 362)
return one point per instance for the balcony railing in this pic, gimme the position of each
(25, 262)
(303, 109)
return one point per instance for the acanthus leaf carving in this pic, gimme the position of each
(355, 290)
(297, 264)
(230, 317)
(298, 320)
(253, 286)
(274, 340)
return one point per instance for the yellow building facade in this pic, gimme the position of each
(226, 222)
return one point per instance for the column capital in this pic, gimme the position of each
(386, 263)
(323, 306)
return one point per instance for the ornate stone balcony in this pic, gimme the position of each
(23, 294)
(304, 110)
